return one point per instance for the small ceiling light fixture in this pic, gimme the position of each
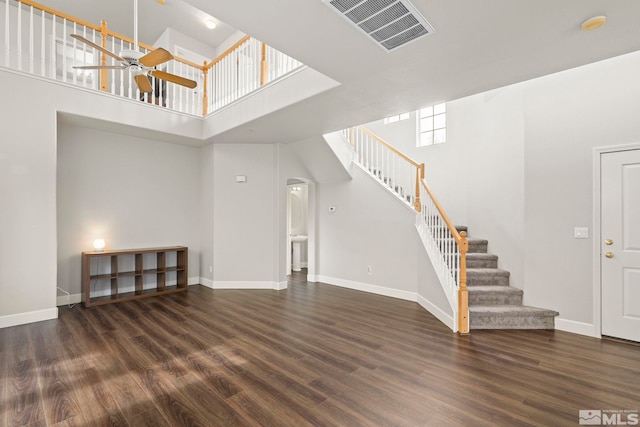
(210, 23)
(594, 23)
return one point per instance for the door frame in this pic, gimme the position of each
(598, 152)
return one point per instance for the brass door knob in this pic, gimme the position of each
(609, 254)
(608, 242)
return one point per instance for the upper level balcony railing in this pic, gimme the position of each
(37, 40)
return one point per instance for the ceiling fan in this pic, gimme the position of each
(139, 65)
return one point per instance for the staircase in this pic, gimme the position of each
(493, 303)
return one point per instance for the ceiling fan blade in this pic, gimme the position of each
(173, 78)
(101, 67)
(155, 57)
(97, 47)
(143, 83)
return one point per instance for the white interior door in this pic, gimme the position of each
(620, 245)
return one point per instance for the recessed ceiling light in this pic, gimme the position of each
(210, 23)
(594, 23)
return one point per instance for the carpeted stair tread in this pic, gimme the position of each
(494, 295)
(487, 277)
(477, 245)
(481, 260)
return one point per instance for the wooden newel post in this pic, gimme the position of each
(463, 294)
(205, 90)
(264, 67)
(104, 74)
(419, 176)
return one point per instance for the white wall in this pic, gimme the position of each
(28, 247)
(133, 192)
(566, 116)
(530, 176)
(28, 212)
(244, 214)
(249, 219)
(368, 228)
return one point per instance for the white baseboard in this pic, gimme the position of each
(445, 318)
(365, 287)
(312, 278)
(220, 284)
(576, 327)
(68, 299)
(28, 317)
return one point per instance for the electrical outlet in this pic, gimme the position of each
(369, 270)
(211, 269)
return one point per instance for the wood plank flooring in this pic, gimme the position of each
(311, 355)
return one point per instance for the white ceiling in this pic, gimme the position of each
(153, 18)
(477, 46)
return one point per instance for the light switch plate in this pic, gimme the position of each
(581, 232)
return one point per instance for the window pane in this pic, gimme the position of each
(439, 121)
(440, 135)
(439, 109)
(393, 119)
(426, 112)
(426, 138)
(426, 124)
(404, 116)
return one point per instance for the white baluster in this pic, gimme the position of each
(43, 46)
(7, 34)
(63, 49)
(53, 46)
(19, 37)
(73, 50)
(31, 39)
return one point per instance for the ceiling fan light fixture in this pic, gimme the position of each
(210, 23)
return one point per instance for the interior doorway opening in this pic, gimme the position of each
(300, 229)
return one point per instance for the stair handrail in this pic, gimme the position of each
(450, 263)
(462, 243)
(417, 205)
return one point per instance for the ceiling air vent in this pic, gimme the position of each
(390, 23)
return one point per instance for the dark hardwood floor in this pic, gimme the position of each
(313, 354)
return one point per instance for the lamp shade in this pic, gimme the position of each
(98, 245)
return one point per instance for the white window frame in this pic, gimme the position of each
(431, 125)
(396, 118)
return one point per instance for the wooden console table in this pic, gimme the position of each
(134, 273)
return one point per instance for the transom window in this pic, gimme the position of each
(396, 118)
(432, 125)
